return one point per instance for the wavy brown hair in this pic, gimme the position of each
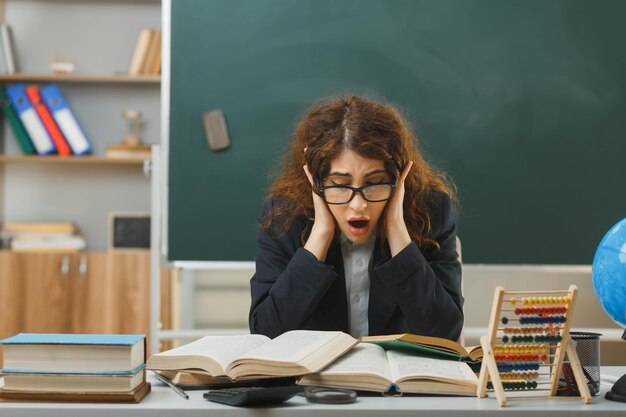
(374, 131)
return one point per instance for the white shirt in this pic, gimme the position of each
(356, 261)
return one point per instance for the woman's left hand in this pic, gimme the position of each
(397, 233)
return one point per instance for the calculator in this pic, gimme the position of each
(251, 396)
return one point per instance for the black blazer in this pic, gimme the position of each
(417, 291)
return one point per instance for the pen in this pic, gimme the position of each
(169, 383)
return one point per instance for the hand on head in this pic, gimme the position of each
(397, 232)
(324, 224)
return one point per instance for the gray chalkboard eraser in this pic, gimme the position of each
(215, 130)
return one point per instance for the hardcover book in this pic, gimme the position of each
(7, 46)
(369, 367)
(427, 345)
(197, 379)
(121, 151)
(140, 52)
(39, 227)
(293, 353)
(74, 353)
(133, 396)
(50, 242)
(64, 382)
(152, 63)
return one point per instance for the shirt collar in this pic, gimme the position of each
(347, 244)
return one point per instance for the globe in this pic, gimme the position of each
(609, 283)
(609, 273)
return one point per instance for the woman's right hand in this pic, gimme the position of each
(324, 224)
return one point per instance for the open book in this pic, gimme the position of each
(190, 379)
(293, 353)
(369, 367)
(428, 345)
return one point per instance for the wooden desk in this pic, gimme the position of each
(164, 402)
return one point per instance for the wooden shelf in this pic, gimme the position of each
(70, 160)
(83, 78)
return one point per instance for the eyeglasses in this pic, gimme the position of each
(342, 194)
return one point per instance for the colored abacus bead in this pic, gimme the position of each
(505, 320)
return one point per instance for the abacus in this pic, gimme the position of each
(524, 348)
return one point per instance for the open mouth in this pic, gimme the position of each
(358, 224)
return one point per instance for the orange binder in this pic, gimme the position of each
(48, 121)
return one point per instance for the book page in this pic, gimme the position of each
(403, 366)
(222, 349)
(363, 358)
(291, 346)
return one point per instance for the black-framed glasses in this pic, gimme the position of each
(342, 194)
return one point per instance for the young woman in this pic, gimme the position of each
(358, 233)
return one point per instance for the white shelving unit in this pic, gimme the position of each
(50, 188)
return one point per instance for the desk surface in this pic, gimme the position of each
(165, 402)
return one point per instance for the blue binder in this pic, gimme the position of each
(66, 120)
(31, 121)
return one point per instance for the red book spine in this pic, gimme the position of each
(48, 121)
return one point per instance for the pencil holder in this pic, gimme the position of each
(587, 347)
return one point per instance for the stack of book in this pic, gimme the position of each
(74, 367)
(146, 58)
(42, 236)
(123, 151)
(42, 121)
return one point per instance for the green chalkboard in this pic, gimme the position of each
(523, 103)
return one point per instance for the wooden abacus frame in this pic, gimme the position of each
(489, 368)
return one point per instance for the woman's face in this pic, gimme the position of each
(358, 218)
